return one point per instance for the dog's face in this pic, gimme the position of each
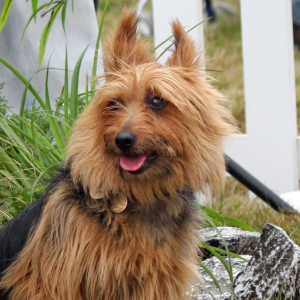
(151, 129)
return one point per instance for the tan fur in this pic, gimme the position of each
(75, 259)
(149, 251)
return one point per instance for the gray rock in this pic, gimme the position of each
(238, 241)
(274, 267)
(210, 290)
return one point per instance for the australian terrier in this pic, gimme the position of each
(120, 220)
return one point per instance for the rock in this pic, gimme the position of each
(238, 241)
(210, 290)
(273, 268)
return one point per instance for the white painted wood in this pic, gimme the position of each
(189, 13)
(269, 149)
(293, 199)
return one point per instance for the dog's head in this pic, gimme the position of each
(150, 129)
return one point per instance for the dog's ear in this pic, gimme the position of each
(123, 48)
(186, 53)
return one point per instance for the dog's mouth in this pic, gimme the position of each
(137, 164)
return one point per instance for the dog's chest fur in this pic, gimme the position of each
(78, 252)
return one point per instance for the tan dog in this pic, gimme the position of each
(120, 220)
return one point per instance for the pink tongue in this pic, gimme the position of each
(132, 163)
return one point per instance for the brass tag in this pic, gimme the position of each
(96, 195)
(120, 205)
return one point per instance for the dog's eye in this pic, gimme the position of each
(114, 105)
(157, 103)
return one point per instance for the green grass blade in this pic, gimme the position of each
(34, 4)
(95, 63)
(6, 174)
(239, 223)
(225, 252)
(86, 91)
(208, 218)
(74, 87)
(46, 31)
(53, 125)
(221, 259)
(166, 40)
(213, 214)
(25, 82)
(46, 143)
(37, 181)
(33, 134)
(66, 95)
(163, 42)
(63, 15)
(23, 100)
(17, 147)
(33, 16)
(207, 270)
(13, 168)
(223, 219)
(4, 13)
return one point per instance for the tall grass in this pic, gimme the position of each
(33, 142)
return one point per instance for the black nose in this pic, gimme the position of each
(125, 140)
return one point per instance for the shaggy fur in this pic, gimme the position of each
(72, 243)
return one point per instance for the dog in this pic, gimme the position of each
(119, 221)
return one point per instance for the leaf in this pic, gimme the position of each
(13, 168)
(53, 125)
(207, 217)
(213, 214)
(4, 13)
(74, 86)
(208, 271)
(239, 223)
(46, 32)
(221, 259)
(34, 16)
(63, 15)
(86, 91)
(34, 4)
(25, 82)
(33, 134)
(225, 252)
(66, 95)
(23, 105)
(95, 63)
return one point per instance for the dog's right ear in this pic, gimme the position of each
(123, 48)
(186, 54)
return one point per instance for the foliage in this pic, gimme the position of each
(33, 142)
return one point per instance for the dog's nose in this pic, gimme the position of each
(125, 140)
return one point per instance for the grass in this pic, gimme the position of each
(235, 202)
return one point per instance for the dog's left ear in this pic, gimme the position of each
(186, 53)
(123, 48)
